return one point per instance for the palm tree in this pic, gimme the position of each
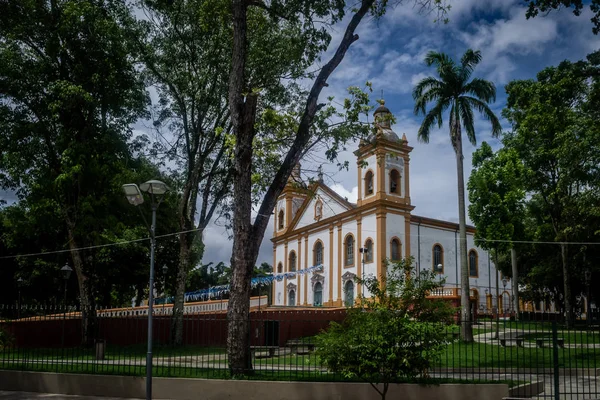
(454, 91)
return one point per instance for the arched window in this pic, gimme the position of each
(281, 219)
(279, 268)
(318, 253)
(292, 265)
(438, 258)
(395, 249)
(369, 183)
(369, 251)
(394, 181)
(292, 298)
(349, 253)
(473, 267)
(349, 294)
(318, 294)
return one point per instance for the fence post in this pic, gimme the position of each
(555, 360)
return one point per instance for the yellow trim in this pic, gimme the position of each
(357, 254)
(285, 268)
(365, 194)
(372, 250)
(299, 264)
(476, 263)
(331, 247)
(339, 277)
(288, 211)
(399, 248)
(274, 266)
(292, 252)
(433, 258)
(380, 176)
(381, 241)
(398, 191)
(406, 178)
(346, 265)
(407, 236)
(314, 252)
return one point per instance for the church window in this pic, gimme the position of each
(394, 181)
(292, 298)
(318, 294)
(369, 183)
(281, 219)
(395, 249)
(279, 268)
(349, 253)
(349, 294)
(369, 251)
(318, 253)
(473, 267)
(438, 258)
(292, 267)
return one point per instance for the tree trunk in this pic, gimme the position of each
(86, 301)
(466, 321)
(567, 286)
(245, 249)
(515, 282)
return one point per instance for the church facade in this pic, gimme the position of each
(316, 226)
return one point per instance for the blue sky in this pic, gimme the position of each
(390, 55)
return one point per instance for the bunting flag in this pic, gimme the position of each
(217, 291)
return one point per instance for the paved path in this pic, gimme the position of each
(6, 395)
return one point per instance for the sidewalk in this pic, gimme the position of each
(5, 395)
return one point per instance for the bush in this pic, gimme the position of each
(6, 339)
(399, 334)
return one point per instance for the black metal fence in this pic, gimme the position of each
(565, 362)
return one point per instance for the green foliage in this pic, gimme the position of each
(6, 339)
(497, 197)
(545, 6)
(400, 333)
(556, 136)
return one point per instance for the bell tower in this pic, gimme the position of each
(383, 163)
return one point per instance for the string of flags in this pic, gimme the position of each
(217, 291)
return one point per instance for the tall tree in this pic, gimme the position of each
(453, 90)
(544, 6)
(295, 37)
(184, 46)
(497, 197)
(556, 134)
(68, 93)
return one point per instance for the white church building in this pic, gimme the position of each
(314, 225)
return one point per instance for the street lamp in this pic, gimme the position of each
(156, 190)
(588, 278)
(66, 274)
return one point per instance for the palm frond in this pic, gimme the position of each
(468, 62)
(434, 115)
(481, 89)
(484, 109)
(426, 84)
(427, 97)
(466, 115)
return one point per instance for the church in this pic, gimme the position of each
(315, 226)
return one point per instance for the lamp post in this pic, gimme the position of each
(156, 190)
(66, 274)
(19, 284)
(588, 313)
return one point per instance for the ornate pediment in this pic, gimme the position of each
(291, 286)
(348, 276)
(316, 278)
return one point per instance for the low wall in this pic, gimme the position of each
(213, 389)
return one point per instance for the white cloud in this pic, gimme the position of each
(351, 195)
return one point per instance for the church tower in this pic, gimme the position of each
(383, 163)
(289, 202)
(383, 185)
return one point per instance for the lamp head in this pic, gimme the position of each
(165, 269)
(504, 281)
(133, 194)
(66, 272)
(154, 187)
